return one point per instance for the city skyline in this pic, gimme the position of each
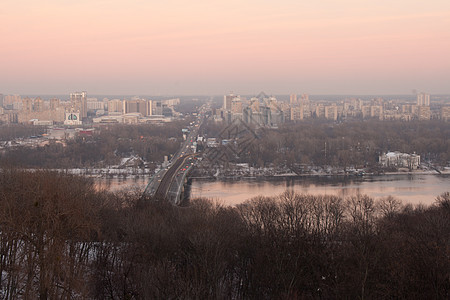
(171, 48)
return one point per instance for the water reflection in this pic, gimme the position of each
(115, 184)
(412, 189)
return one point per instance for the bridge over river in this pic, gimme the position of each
(168, 182)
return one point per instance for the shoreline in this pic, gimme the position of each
(146, 173)
(298, 176)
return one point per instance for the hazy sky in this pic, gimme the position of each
(214, 47)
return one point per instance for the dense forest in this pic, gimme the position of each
(316, 142)
(349, 144)
(10, 132)
(106, 147)
(60, 238)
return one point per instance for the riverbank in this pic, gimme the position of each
(318, 174)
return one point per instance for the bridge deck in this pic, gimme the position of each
(168, 178)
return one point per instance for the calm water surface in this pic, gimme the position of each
(412, 189)
(119, 183)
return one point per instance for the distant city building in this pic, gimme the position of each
(377, 102)
(331, 112)
(400, 160)
(236, 106)
(13, 117)
(72, 118)
(423, 99)
(149, 107)
(445, 113)
(304, 100)
(261, 110)
(54, 103)
(227, 101)
(131, 118)
(293, 99)
(95, 105)
(17, 105)
(172, 102)
(135, 106)
(297, 113)
(9, 100)
(31, 110)
(27, 104)
(320, 111)
(37, 122)
(38, 111)
(78, 103)
(407, 108)
(376, 111)
(38, 105)
(366, 111)
(115, 106)
(423, 112)
(157, 108)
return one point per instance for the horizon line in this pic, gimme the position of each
(238, 94)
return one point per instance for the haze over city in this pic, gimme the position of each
(175, 47)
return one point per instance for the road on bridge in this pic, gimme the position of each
(166, 181)
(161, 183)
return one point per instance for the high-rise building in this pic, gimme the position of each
(331, 112)
(445, 113)
(38, 104)
(54, 103)
(93, 104)
(424, 113)
(1, 100)
(27, 104)
(9, 100)
(407, 108)
(157, 108)
(304, 101)
(78, 103)
(115, 106)
(149, 108)
(366, 111)
(236, 106)
(293, 99)
(297, 113)
(376, 111)
(227, 100)
(423, 99)
(320, 111)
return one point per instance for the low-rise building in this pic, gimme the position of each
(400, 160)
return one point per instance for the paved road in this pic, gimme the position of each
(169, 176)
(161, 182)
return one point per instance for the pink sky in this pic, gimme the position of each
(213, 47)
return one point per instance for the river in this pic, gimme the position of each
(115, 184)
(412, 189)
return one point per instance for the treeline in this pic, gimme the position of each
(10, 132)
(349, 144)
(107, 147)
(61, 239)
